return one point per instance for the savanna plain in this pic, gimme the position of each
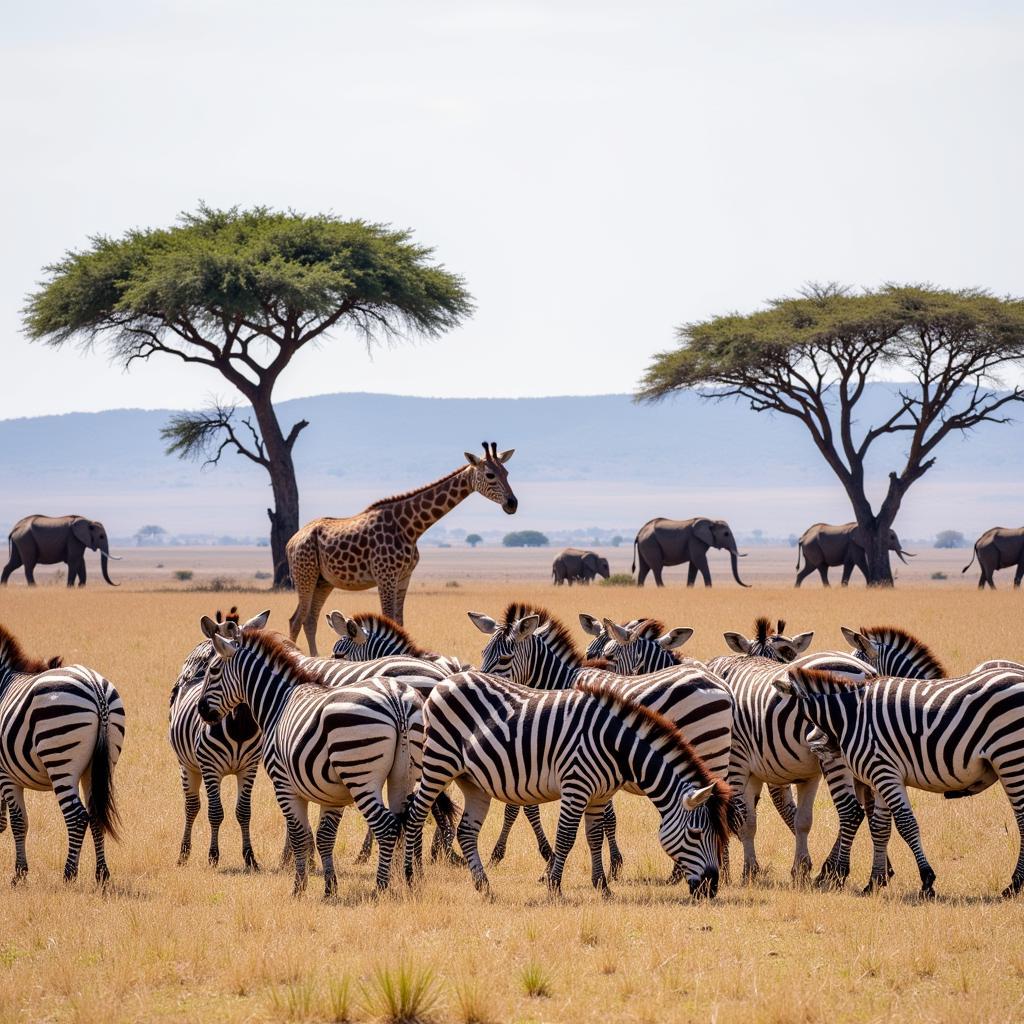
(170, 943)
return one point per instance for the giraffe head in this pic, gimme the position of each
(490, 478)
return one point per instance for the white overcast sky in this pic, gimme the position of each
(598, 172)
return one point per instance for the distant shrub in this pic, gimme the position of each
(263, 575)
(183, 574)
(618, 579)
(939, 576)
(950, 539)
(525, 539)
(473, 539)
(451, 584)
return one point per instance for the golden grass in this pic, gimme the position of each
(169, 943)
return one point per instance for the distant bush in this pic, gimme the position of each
(618, 579)
(950, 539)
(263, 575)
(939, 576)
(525, 539)
(473, 539)
(183, 574)
(616, 541)
(452, 584)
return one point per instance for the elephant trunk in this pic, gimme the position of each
(900, 553)
(734, 558)
(105, 555)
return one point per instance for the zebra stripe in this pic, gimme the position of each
(368, 637)
(952, 736)
(59, 727)
(499, 740)
(325, 741)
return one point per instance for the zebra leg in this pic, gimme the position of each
(805, 793)
(243, 814)
(751, 790)
(895, 795)
(501, 846)
(98, 838)
(443, 842)
(614, 853)
(532, 812)
(76, 818)
(843, 790)
(367, 848)
(880, 823)
(594, 826)
(214, 811)
(571, 810)
(3, 814)
(14, 797)
(300, 835)
(384, 825)
(190, 784)
(326, 835)
(474, 812)
(783, 802)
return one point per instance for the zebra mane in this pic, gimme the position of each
(721, 809)
(282, 655)
(816, 680)
(600, 663)
(649, 629)
(14, 659)
(893, 636)
(763, 628)
(555, 635)
(415, 490)
(375, 623)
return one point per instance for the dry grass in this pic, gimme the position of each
(168, 943)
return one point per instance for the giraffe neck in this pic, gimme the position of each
(426, 506)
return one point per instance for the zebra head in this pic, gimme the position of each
(768, 643)
(491, 478)
(512, 651)
(223, 688)
(893, 652)
(602, 644)
(643, 646)
(694, 832)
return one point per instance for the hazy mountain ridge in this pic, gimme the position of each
(673, 458)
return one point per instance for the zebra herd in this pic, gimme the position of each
(387, 727)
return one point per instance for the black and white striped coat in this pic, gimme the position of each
(368, 637)
(500, 740)
(61, 727)
(953, 736)
(326, 741)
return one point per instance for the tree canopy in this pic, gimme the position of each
(811, 357)
(241, 292)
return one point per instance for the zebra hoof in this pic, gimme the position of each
(183, 858)
(615, 868)
(1013, 889)
(497, 856)
(20, 875)
(927, 892)
(213, 858)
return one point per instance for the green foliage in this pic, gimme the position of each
(473, 539)
(950, 539)
(535, 981)
(525, 539)
(183, 574)
(618, 579)
(473, 1003)
(404, 994)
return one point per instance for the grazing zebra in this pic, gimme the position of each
(951, 736)
(770, 745)
(206, 753)
(369, 636)
(499, 740)
(59, 727)
(534, 649)
(334, 745)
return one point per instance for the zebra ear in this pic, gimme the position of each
(337, 622)
(802, 641)
(358, 634)
(737, 642)
(257, 621)
(787, 685)
(482, 622)
(675, 638)
(590, 624)
(224, 647)
(209, 627)
(618, 633)
(695, 797)
(852, 636)
(525, 627)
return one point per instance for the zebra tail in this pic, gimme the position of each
(400, 776)
(102, 804)
(971, 562)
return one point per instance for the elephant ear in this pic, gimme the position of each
(702, 531)
(81, 528)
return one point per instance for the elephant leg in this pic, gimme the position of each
(80, 574)
(691, 574)
(30, 573)
(847, 572)
(699, 563)
(823, 573)
(642, 570)
(14, 563)
(1018, 575)
(804, 573)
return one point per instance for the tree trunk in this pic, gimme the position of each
(284, 516)
(879, 569)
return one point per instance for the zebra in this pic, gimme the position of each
(326, 743)
(499, 740)
(368, 636)
(951, 736)
(770, 745)
(532, 648)
(206, 753)
(601, 644)
(60, 727)
(891, 651)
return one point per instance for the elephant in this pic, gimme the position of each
(575, 564)
(823, 545)
(999, 548)
(662, 542)
(45, 540)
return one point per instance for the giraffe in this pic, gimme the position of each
(377, 547)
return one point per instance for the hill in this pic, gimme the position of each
(580, 462)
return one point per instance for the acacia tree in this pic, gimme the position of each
(241, 292)
(812, 358)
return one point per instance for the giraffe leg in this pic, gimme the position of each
(387, 589)
(401, 591)
(316, 605)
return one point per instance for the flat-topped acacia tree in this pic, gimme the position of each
(241, 292)
(812, 357)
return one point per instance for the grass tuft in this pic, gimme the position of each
(405, 994)
(474, 1007)
(619, 579)
(535, 981)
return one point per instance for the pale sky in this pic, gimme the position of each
(598, 172)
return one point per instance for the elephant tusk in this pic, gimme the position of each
(116, 558)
